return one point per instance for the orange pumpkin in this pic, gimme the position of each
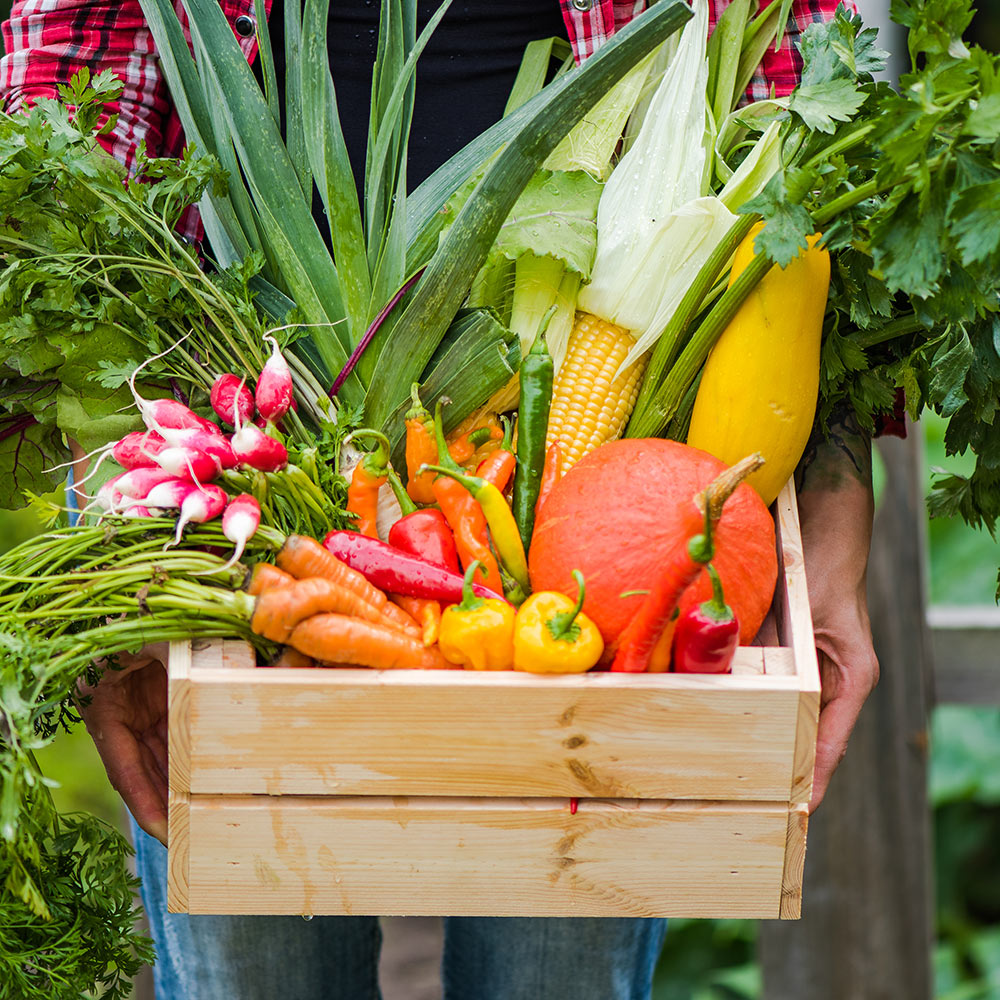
(617, 512)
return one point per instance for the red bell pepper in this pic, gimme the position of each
(423, 532)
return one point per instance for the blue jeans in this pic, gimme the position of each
(336, 958)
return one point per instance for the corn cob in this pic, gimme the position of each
(589, 404)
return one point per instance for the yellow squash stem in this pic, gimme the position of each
(760, 383)
(591, 403)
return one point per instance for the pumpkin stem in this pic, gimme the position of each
(719, 490)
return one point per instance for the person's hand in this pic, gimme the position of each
(847, 665)
(127, 718)
(836, 510)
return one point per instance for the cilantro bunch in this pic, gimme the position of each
(93, 280)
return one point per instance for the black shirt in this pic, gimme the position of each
(463, 80)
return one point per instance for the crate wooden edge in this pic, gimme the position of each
(281, 854)
(796, 631)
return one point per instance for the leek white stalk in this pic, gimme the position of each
(657, 222)
(654, 226)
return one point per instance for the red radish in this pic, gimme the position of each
(109, 496)
(258, 450)
(239, 523)
(168, 495)
(274, 387)
(138, 450)
(215, 445)
(232, 400)
(185, 462)
(160, 413)
(136, 483)
(218, 449)
(139, 510)
(200, 505)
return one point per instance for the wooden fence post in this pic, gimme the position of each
(867, 918)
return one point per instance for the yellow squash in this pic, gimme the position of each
(761, 380)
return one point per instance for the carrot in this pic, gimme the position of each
(398, 617)
(304, 557)
(278, 611)
(266, 577)
(426, 612)
(339, 639)
(289, 657)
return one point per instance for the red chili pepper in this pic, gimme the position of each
(573, 803)
(707, 635)
(397, 572)
(551, 472)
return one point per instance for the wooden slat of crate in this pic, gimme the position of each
(344, 732)
(377, 855)
(795, 631)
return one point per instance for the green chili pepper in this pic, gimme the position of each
(503, 529)
(537, 372)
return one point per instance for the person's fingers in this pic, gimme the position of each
(134, 773)
(836, 723)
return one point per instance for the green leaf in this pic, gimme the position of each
(27, 449)
(973, 217)
(936, 26)
(819, 105)
(984, 121)
(951, 365)
(906, 241)
(331, 166)
(294, 122)
(725, 45)
(555, 216)
(534, 70)
(787, 224)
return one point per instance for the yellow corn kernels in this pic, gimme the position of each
(589, 404)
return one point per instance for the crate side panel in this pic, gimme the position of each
(795, 859)
(178, 850)
(472, 857)
(382, 733)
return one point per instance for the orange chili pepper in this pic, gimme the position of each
(421, 449)
(466, 518)
(368, 478)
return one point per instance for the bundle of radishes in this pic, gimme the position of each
(172, 464)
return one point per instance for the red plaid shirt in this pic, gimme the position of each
(47, 41)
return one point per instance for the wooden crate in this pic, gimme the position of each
(352, 791)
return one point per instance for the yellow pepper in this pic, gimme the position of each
(478, 634)
(552, 635)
